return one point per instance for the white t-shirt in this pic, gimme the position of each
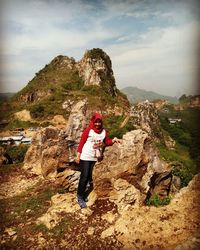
(93, 145)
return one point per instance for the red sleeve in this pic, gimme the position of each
(107, 140)
(83, 139)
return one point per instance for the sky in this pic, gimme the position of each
(153, 44)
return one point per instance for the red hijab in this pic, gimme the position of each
(92, 121)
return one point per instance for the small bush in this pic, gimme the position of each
(112, 124)
(21, 124)
(37, 111)
(157, 201)
(17, 153)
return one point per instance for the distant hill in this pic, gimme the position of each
(5, 96)
(135, 95)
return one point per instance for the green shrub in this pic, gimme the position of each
(17, 153)
(37, 111)
(156, 200)
(92, 90)
(182, 165)
(184, 171)
(112, 124)
(95, 53)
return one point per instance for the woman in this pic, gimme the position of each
(90, 151)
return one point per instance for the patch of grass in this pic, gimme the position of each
(35, 202)
(179, 158)
(17, 153)
(41, 228)
(13, 124)
(62, 227)
(157, 201)
(186, 132)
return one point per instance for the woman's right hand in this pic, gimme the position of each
(78, 158)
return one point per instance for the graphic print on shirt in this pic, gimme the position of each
(97, 147)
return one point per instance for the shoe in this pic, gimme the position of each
(86, 199)
(81, 202)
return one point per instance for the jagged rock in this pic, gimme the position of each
(124, 195)
(34, 96)
(133, 164)
(41, 157)
(69, 179)
(63, 62)
(159, 104)
(163, 227)
(96, 69)
(53, 149)
(146, 118)
(160, 184)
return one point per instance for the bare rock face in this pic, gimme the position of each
(170, 227)
(34, 96)
(146, 118)
(23, 115)
(128, 171)
(96, 69)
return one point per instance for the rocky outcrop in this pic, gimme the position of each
(125, 178)
(34, 96)
(145, 117)
(23, 115)
(128, 172)
(170, 227)
(96, 69)
(53, 149)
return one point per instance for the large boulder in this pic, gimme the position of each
(53, 149)
(127, 173)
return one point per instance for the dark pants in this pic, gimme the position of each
(85, 177)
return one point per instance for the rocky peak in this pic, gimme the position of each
(96, 69)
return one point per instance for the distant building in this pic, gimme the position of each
(174, 120)
(26, 140)
(15, 140)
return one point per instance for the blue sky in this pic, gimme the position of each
(153, 44)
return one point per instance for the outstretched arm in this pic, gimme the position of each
(110, 142)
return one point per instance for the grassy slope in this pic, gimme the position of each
(185, 157)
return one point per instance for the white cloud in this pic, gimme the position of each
(142, 51)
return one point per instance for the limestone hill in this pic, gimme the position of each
(64, 81)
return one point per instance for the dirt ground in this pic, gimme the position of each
(25, 197)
